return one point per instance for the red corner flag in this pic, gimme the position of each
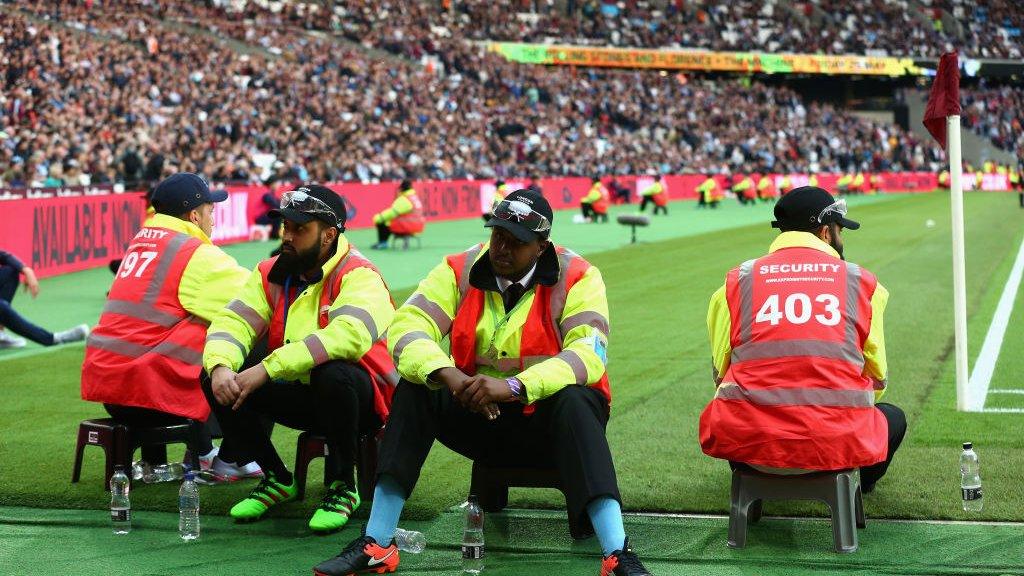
(945, 98)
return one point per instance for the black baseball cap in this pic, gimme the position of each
(808, 207)
(182, 192)
(524, 213)
(312, 202)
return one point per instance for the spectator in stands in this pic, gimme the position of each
(143, 359)
(798, 384)
(11, 269)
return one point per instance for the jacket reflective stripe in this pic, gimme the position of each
(790, 348)
(579, 369)
(559, 293)
(227, 338)
(467, 266)
(407, 339)
(316, 349)
(852, 300)
(746, 284)
(142, 311)
(433, 311)
(251, 316)
(588, 318)
(133, 350)
(797, 396)
(392, 377)
(359, 314)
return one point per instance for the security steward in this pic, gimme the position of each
(799, 354)
(706, 196)
(323, 310)
(655, 194)
(500, 191)
(143, 359)
(403, 218)
(594, 206)
(525, 383)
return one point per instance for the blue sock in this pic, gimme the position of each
(388, 501)
(606, 516)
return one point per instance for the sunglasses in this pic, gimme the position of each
(837, 207)
(521, 213)
(303, 202)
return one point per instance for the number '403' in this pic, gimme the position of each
(798, 309)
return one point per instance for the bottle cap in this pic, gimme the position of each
(190, 475)
(472, 499)
(968, 445)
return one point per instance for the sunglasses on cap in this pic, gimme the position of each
(521, 213)
(837, 207)
(303, 202)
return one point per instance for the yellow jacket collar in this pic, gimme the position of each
(343, 249)
(801, 240)
(176, 224)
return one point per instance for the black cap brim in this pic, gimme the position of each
(218, 195)
(292, 215)
(521, 234)
(849, 224)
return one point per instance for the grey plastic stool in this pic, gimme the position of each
(839, 490)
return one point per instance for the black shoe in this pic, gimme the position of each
(623, 563)
(362, 556)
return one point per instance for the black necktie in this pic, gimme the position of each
(511, 295)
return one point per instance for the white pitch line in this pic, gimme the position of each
(1004, 410)
(1007, 391)
(981, 377)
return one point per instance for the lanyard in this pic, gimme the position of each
(287, 299)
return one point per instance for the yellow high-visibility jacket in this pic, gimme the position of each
(593, 195)
(364, 313)
(707, 189)
(401, 205)
(653, 189)
(423, 322)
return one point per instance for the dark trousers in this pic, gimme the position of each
(650, 199)
(620, 195)
(383, 233)
(587, 209)
(567, 432)
(10, 318)
(337, 403)
(897, 422)
(146, 418)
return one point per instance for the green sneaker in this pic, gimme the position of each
(333, 512)
(269, 492)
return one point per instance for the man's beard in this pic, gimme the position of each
(837, 247)
(298, 262)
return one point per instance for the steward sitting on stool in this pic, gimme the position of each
(403, 218)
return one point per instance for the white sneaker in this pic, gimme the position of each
(206, 460)
(10, 341)
(75, 334)
(221, 472)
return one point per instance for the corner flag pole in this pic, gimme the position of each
(959, 274)
(942, 119)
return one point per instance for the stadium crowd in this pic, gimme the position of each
(998, 115)
(115, 93)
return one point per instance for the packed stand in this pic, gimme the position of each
(128, 97)
(996, 114)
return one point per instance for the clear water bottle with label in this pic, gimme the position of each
(120, 504)
(169, 472)
(970, 479)
(473, 538)
(410, 541)
(188, 508)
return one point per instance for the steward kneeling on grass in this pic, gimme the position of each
(323, 309)
(799, 355)
(525, 384)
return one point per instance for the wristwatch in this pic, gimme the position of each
(517, 388)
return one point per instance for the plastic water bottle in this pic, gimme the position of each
(120, 505)
(410, 541)
(188, 508)
(473, 538)
(970, 479)
(169, 472)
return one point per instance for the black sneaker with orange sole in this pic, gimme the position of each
(623, 563)
(362, 556)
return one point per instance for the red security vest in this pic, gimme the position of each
(795, 394)
(411, 222)
(147, 350)
(377, 361)
(601, 204)
(542, 335)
